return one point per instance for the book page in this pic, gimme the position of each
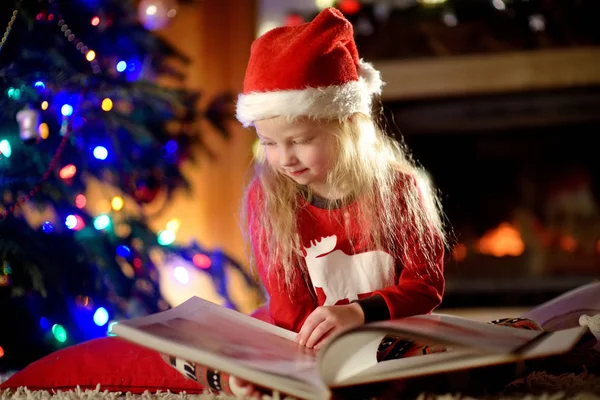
(215, 336)
(461, 359)
(564, 311)
(457, 331)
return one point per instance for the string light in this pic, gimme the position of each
(5, 148)
(107, 104)
(117, 203)
(349, 6)
(95, 21)
(166, 237)
(323, 4)
(44, 130)
(101, 222)
(74, 222)
(181, 274)
(121, 66)
(100, 153)
(123, 251)
(66, 110)
(47, 227)
(80, 201)
(68, 33)
(59, 332)
(202, 261)
(67, 172)
(101, 316)
(431, 2)
(90, 55)
(173, 225)
(9, 28)
(44, 105)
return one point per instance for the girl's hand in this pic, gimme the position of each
(328, 320)
(245, 389)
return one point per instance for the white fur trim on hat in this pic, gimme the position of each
(323, 102)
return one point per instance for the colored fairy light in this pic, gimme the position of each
(5, 148)
(44, 323)
(166, 237)
(107, 104)
(67, 172)
(323, 4)
(44, 105)
(151, 10)
(14, 93)
(66, 110)
(101, 222)
(121, 66)
(117, 203)
(44, 130)
(100, 152)
(95, 21)
(39, 85)
(101, 316)
(71, 221)
(202, 261)
(173, 225)
(47, 227)
(109, 329)
(59, 332)
(171, 146)
(80, 201)
(181, 274)
(349, 6)
(294, 20)
(123, 251)
(90, 55)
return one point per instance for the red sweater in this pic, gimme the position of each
(342, 268)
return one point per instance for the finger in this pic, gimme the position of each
(318, 332)
(309, 325)
(324, 338)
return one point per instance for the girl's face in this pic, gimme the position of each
(303, 149)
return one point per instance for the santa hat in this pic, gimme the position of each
(309, 70)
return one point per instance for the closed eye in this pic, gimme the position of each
(304, 141)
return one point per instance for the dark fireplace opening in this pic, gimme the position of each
(519, 180)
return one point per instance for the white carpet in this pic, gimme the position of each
(582, 386)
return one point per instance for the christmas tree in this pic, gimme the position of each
(81, 108)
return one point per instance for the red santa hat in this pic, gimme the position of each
(309, 70)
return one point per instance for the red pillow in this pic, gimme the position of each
(115, 364)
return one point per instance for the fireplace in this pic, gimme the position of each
(519, 179)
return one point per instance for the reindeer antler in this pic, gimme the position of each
(320, 247)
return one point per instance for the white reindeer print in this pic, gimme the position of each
(343, 276)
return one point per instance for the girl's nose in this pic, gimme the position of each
(287, 158)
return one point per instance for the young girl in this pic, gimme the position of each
(344, 228)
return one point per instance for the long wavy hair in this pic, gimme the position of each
(396, 201)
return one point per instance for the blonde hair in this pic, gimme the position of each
(370, 166)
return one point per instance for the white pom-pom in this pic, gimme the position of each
(370, 77)
(593, 323)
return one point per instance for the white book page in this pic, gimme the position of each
(564, 311)
(462, 358)
(349, 355)
(457, 331)
(221, 338)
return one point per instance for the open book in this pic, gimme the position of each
(224, 339)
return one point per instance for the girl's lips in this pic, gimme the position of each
(298, 173)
